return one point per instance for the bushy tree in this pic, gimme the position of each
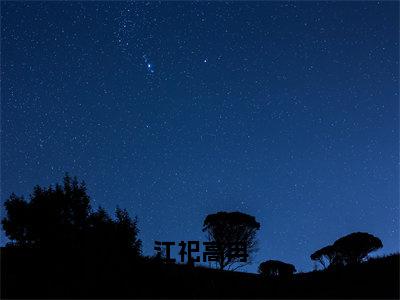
(16, 225)
(276, 268)
(62, 217)
(228, 229)
(53, 216)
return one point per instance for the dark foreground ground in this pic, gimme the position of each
(34, 274)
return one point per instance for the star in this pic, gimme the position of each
(149, 65)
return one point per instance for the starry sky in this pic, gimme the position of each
(287, 111)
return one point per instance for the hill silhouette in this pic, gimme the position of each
(33, 273)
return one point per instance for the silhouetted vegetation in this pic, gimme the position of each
(324, 256)
(229, 229)
(61, 217)
(355, 247)
(61, 248)
(350, 249)
(276, 268)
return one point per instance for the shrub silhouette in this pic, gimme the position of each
(62, 217)
(228, 229)
(276, 268)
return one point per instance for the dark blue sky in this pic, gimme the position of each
(286, 111)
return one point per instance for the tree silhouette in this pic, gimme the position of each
(276, 268)
(229, 229)
(62, 217)
(355, 247)
(53, 217)
(350, 249)
(16, 225)
(126, 231)
(100, 231)
(325, 256)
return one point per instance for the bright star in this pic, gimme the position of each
(149, 65)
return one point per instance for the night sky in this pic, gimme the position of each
(287, 111)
